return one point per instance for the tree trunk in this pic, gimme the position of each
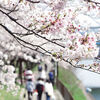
(20, 71)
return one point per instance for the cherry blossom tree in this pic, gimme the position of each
(57, 28)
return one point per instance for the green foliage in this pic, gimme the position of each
(71, 82)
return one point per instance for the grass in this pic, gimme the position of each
(35, 68)
(4, 95)
(71, 83)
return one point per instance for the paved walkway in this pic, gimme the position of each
(24, 96)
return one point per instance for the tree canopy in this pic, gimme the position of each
(58, 28)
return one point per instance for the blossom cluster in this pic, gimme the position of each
(7, 78)
(15, 50)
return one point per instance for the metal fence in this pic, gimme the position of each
(66, 95)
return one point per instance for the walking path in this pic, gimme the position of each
(24, 96)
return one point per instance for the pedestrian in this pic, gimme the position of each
(40, 88)
(28, 74)
(42, 74)
(51, 77)
(49, 90)
(39, 68)
(30, 88)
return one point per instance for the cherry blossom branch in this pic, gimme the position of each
(51, 40)
(37, 46)
(15, 20)
(81, 67)
(68, 60)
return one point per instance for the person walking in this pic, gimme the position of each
(40, 88)
(39, 68)
(30, 88)
(51, 77)
(49, 90)
(42, 75)
(28, 74)
(29, 84)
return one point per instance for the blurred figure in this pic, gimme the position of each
(43, 75)
(30, 88)
(40, 88)
(49, 90)
(28, 74)
(39, 68)
(51, 77)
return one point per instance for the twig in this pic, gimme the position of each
(33, 1)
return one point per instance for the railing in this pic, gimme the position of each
(66, 95)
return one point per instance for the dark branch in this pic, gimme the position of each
(37, 46)
(13, 10)
(23, 34)
(80, 67)
(51, 40)
(31, 48)
(5, 8)
(97, 3)
(13, 19)
(33, 1)
(10, 10)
